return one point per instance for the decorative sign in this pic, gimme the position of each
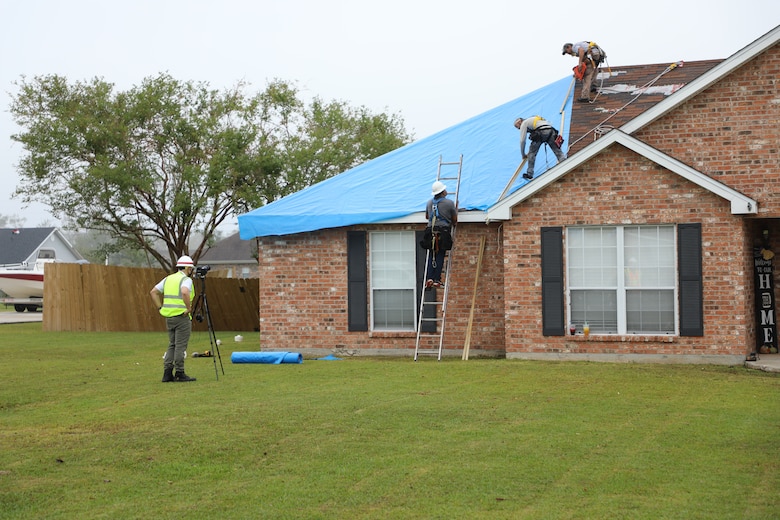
(766, 326)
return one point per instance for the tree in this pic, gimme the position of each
(318, 141)
(334, 137)
(9, 221)
(98, 248)
(168, 160)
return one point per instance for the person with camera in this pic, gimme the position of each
(173, 296)
(539, 131)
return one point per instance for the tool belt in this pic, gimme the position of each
(543, 134)
(437, 238)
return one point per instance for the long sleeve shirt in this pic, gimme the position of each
(529, 125)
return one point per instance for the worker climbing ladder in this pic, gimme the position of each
(433, 311)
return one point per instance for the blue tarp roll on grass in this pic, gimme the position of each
(269, 358)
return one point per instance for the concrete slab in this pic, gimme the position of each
(765, 362)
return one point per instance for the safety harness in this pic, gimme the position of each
(440, 237)
(435, 216)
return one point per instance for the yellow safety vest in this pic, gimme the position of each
(173, 301)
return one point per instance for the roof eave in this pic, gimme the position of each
(419, 218)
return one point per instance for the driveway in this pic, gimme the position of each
(20, 317)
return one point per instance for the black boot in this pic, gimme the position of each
(167, 375)
(181, 377)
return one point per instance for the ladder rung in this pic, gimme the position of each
(427, 351)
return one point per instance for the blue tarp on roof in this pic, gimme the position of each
(398, 183)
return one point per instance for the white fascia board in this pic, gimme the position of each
(419, 218)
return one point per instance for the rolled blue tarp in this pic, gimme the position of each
(269, 358)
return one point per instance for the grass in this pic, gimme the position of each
(88, 431)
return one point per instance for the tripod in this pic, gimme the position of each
(200, 309)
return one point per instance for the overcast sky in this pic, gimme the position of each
(433, 62)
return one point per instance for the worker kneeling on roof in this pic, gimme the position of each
(539, 131)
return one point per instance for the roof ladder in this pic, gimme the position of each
(433, 311)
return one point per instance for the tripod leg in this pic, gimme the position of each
(212, 337)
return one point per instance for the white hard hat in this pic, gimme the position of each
(185, 261)
(437, 188)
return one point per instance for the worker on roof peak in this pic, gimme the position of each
(539, 131)
(590, 56)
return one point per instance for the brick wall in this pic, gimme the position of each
(303, 295)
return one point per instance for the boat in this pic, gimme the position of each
(23, 281)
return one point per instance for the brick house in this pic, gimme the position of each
(648, 231)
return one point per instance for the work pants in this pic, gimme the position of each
(543, 136)
(587, 79)
(179, 330)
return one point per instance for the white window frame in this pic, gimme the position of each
(399, 273)
(621, 287)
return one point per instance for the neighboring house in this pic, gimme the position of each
(232, 257)
(26, 245)
(649, 231)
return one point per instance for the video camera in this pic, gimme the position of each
(202, 270)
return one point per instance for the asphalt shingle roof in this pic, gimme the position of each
(17, 244)
(622, 93)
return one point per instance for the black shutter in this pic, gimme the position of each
(689, 268)
(552, 282)
(430, 310)
(357, 281)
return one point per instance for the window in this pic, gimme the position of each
(393, 279)
(621, 279)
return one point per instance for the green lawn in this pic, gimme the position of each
(88, 431)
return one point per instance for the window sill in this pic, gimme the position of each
(392, 334)
(624, 338)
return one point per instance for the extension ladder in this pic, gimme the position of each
(432, 310)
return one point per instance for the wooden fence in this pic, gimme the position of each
(90, 297)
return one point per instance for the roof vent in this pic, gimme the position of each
(601, 130)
